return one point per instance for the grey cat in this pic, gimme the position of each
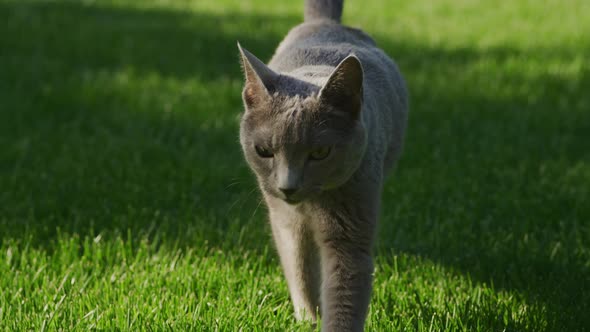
(323, 124)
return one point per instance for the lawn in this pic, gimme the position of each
(125, 203)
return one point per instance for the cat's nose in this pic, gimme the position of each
(288, 191)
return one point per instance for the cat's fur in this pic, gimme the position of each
(330, 94)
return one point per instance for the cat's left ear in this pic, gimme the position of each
(344, 88)
(260, 79)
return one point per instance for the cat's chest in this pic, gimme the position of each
(302, 214)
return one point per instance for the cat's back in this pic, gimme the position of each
(326, 43)
(321, 42)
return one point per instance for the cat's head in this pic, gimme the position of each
(300, 138)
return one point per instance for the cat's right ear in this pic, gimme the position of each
(260, 80)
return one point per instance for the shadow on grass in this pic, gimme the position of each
(117, 119)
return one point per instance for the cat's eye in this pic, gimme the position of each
(262, 152)
(319, 153)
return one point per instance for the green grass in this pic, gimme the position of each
(125, 203)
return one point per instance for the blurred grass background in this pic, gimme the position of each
(125, 203)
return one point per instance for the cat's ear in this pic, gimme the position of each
(344, 88)
(260, 79)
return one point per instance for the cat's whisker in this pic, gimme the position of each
(233, 184)
(242, 199)
(255, 210)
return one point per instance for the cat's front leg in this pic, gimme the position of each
(299, 259)
(347, 272)
(346, 289)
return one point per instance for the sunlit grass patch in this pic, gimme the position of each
(125, 203)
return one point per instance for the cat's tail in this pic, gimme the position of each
(323, 9)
